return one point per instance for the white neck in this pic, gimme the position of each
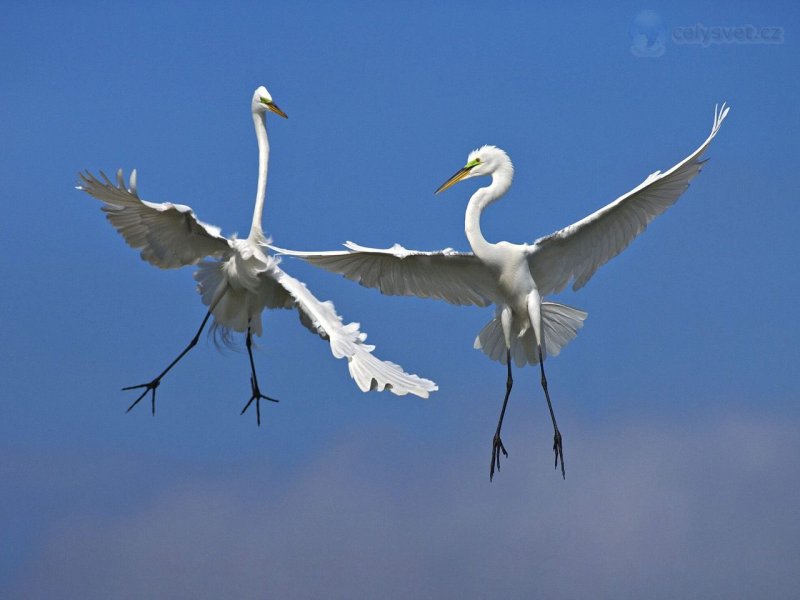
(260, 122)
(501, 181)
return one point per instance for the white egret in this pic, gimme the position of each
(516, 277)
(241, 280)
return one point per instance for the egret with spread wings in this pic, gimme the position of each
(516, 277)
(236, 278)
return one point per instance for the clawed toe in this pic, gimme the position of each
(148, 387)
(558, 450)
(497, 448)
(257, 397)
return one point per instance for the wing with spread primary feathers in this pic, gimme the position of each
(170, 235)
(577, 251)
(346, 341)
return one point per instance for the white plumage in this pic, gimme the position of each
(236, 278)
(515, 277)
(577, 251)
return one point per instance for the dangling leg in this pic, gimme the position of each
(557, 449)
(497, 444)
(151, 387)
(257, 395)
(535, 314)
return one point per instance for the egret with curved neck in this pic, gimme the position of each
(241, 279)
(520, 304)
(516, 277)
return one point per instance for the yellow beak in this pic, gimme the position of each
(460, 174)
(274, 108)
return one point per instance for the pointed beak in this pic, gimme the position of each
(276, 109)
(460, 174)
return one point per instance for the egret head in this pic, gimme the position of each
(486, 160)
(263, 102)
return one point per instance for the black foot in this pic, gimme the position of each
(497, 448)
(258, 397)
(148, 387)
(559, 452)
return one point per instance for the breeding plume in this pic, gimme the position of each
(239, 279)
(516, 277)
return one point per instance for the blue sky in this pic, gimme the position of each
(677, 401)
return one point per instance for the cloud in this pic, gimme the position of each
(647, 510)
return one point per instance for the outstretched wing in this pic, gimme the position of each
(577, 251)
(369, 372)
(457, 277)
(170, 235)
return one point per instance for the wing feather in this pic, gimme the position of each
(577, 251)
(170, 235)
(347, 341)
(456, 277)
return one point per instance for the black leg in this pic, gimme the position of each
(497, 443)
(557, 448)
(257, 395)
(151, 387)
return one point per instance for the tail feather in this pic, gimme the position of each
(490, 340)
(560, 325)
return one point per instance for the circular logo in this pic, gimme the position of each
(648, 35)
